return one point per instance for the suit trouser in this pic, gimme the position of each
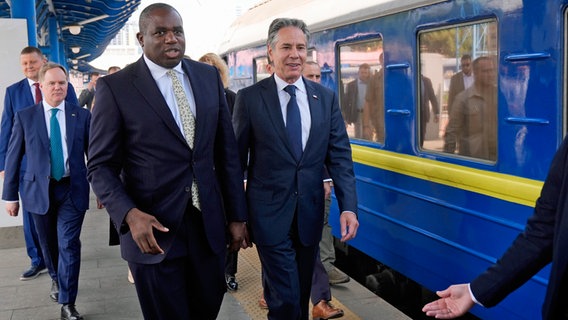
(287, 277)
(33, 247)
(231, 259)
(320, 283)
(327, 251)
(189, 283)
(59, 231)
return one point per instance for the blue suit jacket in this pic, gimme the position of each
(139, 158)
(277, 185)
(19, 96)
(29, 135)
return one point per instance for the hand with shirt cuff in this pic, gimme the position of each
(454, 302)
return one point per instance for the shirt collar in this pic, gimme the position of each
(159, 71)
(281, 84)
(47, 107)
(31, 82)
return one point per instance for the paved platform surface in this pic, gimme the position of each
(105, 293)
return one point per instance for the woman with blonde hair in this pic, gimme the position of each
(218, 62)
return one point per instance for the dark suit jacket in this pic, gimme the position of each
(428, 97)
(350, 111)
(277, 185)
(30, 135)
(544, 240)
(139, 158)
(18, 96)
(456, 86)
(86, 98)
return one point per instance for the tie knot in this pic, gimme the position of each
(171, 73)
(54, 112)
(36, 84)
(291, 89)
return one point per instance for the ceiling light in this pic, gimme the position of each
(75, 49)
(75, 29)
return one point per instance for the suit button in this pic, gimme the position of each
(187, 189)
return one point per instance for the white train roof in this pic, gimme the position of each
(252, 27)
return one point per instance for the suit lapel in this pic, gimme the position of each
(70, 125)
(26, 94)
(147, 87)
(269, 94)
(316, 111)
(195, 83)
(39, 125)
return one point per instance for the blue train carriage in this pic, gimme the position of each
(443, 190)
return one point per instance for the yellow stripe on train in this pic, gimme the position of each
(501, 186)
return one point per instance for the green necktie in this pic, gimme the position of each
(57, 165)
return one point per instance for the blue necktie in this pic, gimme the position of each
(57, 166)
(294, 122)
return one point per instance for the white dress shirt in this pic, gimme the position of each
(302, 99)
(61, 119)
(166, 88)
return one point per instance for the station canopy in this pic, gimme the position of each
(98, 21)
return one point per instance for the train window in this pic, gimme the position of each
(261, 69)
(362, 98)
(457, 90)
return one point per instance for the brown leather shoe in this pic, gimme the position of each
(324, 310)
(262, 303)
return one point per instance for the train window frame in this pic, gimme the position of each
(491, 44)
(565, 81)
(359, 129)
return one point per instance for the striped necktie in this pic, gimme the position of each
(188, 126)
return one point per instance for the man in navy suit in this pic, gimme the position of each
(544, 241)
(144, 167)
(284, 167)
(57, 200)
(19, 95)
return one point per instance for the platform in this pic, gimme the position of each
(105, 293)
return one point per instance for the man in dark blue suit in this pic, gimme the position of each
(544, 241)
(19, 95)
(56, 191)
(163, 161)
(285, 138)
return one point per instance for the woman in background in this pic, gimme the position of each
(231, 256)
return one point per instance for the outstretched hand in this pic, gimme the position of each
(142, 227)
(455, 301)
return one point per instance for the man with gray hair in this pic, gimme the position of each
(285, 138)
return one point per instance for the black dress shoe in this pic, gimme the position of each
(68, 312)
(232, 284)
(33, 272)
(54, 294)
